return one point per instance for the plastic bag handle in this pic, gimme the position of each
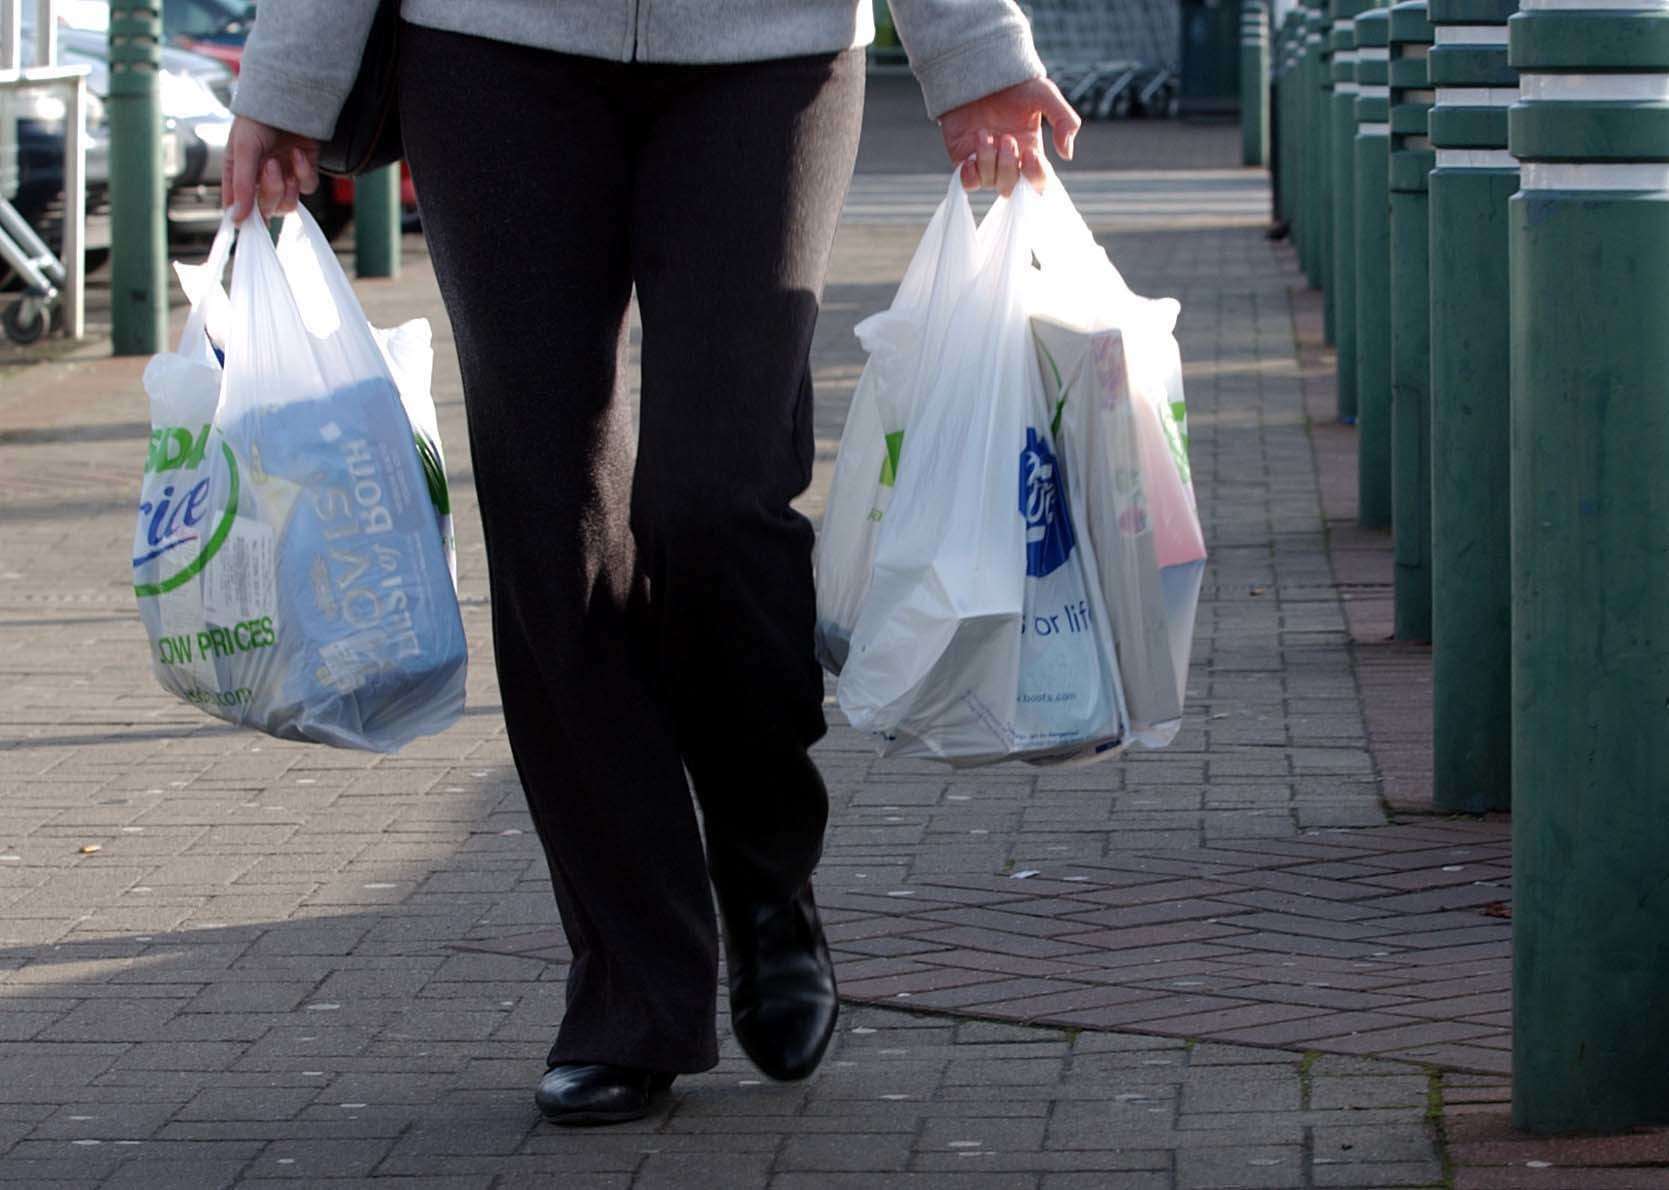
(297, 330)
(318, 283)
(220, 252)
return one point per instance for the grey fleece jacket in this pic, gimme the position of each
(303, 55)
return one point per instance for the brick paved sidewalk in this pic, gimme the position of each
(225, 958)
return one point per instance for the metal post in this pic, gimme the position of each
(1319, 87)
(1279, 176)
(1293, 146)
(1372, 156)
(1272, 153)
(74, 293)
(377, 222)
(11, 35)
(1411, 160)
(1589, 234)
(1292, 128)
(138, 195)
(46, 33)
(1470, 534)
(1321, 127)
(1254, 83)
(1342, 188)
(1210, 58)
(1291, 112)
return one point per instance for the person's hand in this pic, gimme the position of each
(269, 163)
(999, 139)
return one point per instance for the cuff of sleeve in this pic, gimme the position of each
(298, 104)
(979, 68)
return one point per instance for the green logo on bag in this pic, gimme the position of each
(1064, 390)
(1173, 419)
(174, 518)
(434, 475)
(889, 465)
(174, 448)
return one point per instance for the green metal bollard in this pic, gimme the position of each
(377, 222)
(1303, 150)
(1207, 74)
(1292, 114)
(1314, 156)
(1280, 151)
(138, 187)
(1324, 207)
(1315, 160)
(1372, 159)
(1411, 160)
(1293, 109)
(1254, 83)
(1277, 151)
(1470, 527)
(1287, 142)
(1589, 235)
(1341, 292)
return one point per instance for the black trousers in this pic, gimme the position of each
(652, 599)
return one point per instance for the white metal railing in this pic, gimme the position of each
(45, 73)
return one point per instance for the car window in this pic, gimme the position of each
(200, 19)
(206, 18)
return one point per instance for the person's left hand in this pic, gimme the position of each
(999, 139)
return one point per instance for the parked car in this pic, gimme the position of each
(213, 28)
(196, 123)
(195, 90)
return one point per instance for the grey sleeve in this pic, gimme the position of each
(962, 50)
(301, 61)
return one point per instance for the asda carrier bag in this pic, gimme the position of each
(288, 558)
(407, 349)
(983, 635)
(897, 341)
(409, 352)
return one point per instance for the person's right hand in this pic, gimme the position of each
(261, 161)
(997, 140)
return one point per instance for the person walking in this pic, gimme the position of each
(652, 596)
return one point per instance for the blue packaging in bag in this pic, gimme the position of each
(363, 586)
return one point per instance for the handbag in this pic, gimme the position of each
(367, 133)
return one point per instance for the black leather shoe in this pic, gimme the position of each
(592, 1093)
(782, 985)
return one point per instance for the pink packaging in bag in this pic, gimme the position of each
(1167, 482)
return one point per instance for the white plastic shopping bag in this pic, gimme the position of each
(983, 635)
(1109, 361)
(866, 468)
(409, 352)
(289, 561)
